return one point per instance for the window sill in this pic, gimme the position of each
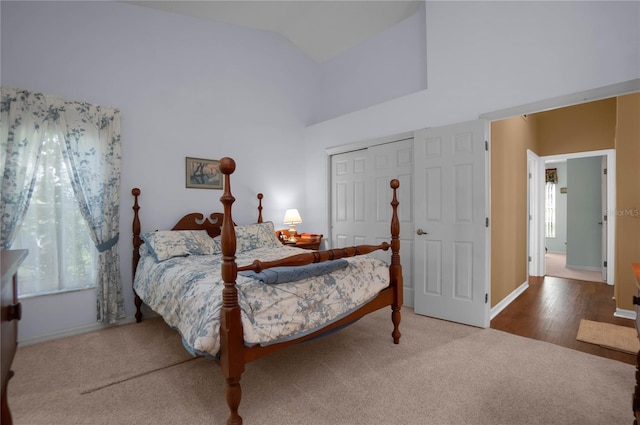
(60, 292)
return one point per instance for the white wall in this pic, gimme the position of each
(186, 87)
(387, 66)
(488, 56)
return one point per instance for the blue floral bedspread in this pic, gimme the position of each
(187, 293)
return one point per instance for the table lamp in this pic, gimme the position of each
(292, 217)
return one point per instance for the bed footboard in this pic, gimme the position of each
(233, 353)
(137, 241)
(315, 257)
(231, 332)
(395, 269)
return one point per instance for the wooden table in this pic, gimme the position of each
(303, 240)
(307, 243)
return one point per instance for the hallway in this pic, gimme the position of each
(551, 309)
(556, 267)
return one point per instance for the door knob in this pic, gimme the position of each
(421, 232)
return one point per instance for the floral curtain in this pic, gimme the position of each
(92, 151)
(551, 175)
(22, 134)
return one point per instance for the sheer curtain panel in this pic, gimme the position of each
(89, 136)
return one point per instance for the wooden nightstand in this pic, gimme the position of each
(304, 240)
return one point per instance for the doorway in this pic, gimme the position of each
(518, 244)
(575, 218)
(606, 233)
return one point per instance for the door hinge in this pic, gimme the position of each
(486, 298)
(605, 264)
(530, 175)
(604, 171)
(605, 218)
(529, 258)
(486, 145)
(486, 222)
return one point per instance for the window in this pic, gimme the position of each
(62, 256)
(550, 207)
(551, 180)
(57, 154)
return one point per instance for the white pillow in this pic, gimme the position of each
(253, 236)
(165, 244)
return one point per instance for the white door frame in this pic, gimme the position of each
(533, 204)
(538, 214)
(604, 210)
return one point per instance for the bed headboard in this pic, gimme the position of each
(197, 221)
(212, 224)
(192, 221)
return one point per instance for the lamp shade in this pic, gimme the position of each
(292, 216)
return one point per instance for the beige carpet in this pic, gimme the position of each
(556, 266)
(441, 373)
(608, 335)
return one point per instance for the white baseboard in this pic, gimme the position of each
(408, 297)
(507, 300)
(589, 269)
(625, 314)
(74, 331)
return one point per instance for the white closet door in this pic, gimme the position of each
(350, 210)
(361, 200)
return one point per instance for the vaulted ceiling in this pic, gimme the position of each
(320, 28)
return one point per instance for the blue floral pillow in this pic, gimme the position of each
(253, 236)
(165, 244)
(217, 249)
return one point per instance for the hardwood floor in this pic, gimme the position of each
(551, 309)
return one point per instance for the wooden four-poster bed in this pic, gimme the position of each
(224, 320)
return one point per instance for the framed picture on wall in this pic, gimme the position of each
(203, 173)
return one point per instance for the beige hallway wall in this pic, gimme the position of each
(627, 198)
(580, 128)
(510, 140)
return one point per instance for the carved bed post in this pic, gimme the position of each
(231, 333)
(395, 269)
(260, 196)
(137, 241)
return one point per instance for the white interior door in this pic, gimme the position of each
(451, 270)
(536, 264)
(603, 217)
(361, 200)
